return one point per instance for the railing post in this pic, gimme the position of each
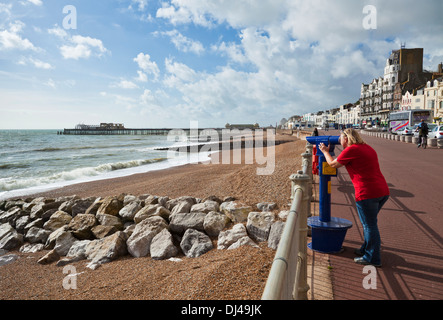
(301, 180)
(307, 169)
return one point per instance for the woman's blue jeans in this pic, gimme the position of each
(368, 211)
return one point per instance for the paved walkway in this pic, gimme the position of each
(411, 227)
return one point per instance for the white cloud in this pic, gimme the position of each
(36, 2)
(6, 9)
(142, 77)
(178, 74)
(59, 32)
(183, 43)
(11, 39)
(51, 83)
(295, 55)
(141, 4)
(37, 63)
(144, 62)
(352, 63)
(237, 13)
(125, 84)
(83, 48)
(232, 50)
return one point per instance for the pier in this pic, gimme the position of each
(119, 129)
(125, 131)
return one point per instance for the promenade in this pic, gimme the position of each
(411, 228)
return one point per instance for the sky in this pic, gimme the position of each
(165, 64)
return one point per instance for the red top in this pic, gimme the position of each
(361, 161)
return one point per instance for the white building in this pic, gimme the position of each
(406, 101)
(433, 93)
(418, 100)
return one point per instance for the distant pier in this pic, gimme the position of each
(125, 131)
(119, 129)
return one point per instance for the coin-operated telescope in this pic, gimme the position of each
(328, 233)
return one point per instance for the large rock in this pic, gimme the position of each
(36, 223)
(57, 220)
(93, 208)
(67, 204)
(101, 232)
(162, 246)
(245, 241)
(127, 213)
(81, 206)
(139, 242)
(28, 205)
(12, 215)
(228, 237)
(31, 248)
(236, 211)
(181, 222)
(195, 243)
(21, 223)
(7, 259)
(78, 250)
(48, 258)
(37, 211)
(5, 228)
(149, 199)
(37, 235)
(206, 206)
(41, 207)
(110, 220)
(214, 223)
(76, 253)
(9, 238)
(50, 242)
(182, 207)
(266, 206)
(259, 225)
(127, 199)
(111, 206)
(275, 234)
(64, 242)
(81, 226)
(151, 210)
(107, 249)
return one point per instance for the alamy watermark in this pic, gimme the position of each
(370, 20)
(200, 144)
(370, 281)
(70, 20)
(70, 281)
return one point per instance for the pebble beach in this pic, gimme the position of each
(238, 274)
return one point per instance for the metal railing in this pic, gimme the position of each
(287, 279)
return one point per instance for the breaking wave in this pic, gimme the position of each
(8, 184)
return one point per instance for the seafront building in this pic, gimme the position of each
(404, 85)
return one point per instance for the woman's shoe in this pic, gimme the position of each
(362, 261)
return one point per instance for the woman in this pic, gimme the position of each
(371, 189)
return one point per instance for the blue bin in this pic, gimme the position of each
(328, 237)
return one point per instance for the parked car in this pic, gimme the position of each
(406, 131)
(430, 126)
(436, 133)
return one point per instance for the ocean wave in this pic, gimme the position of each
(9, 184)
(8, 166)
(70, 148)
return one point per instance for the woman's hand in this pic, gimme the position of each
(323, 148)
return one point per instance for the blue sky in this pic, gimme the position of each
(149, 63)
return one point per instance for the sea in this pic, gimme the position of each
(33, 161)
